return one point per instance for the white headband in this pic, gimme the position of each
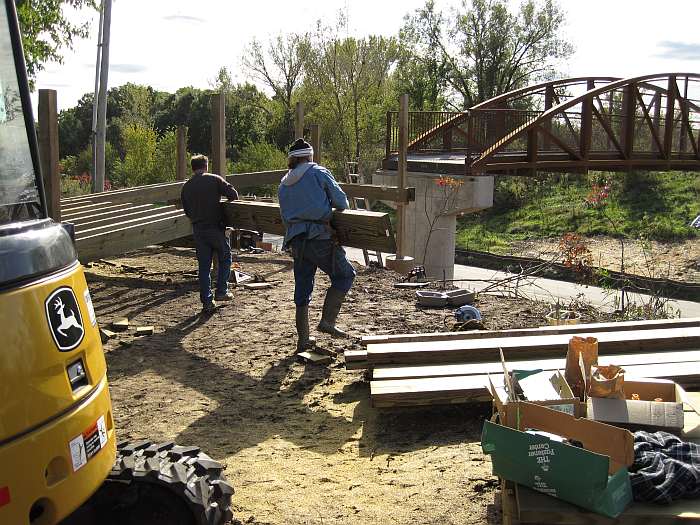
(306, 152)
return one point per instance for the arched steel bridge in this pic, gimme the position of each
(649, 122)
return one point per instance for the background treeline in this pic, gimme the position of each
(444, 60)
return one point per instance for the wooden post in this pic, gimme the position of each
(389, 134)
(48, 152)
(218, 134)
(629, 109)
(299, 122)
(401, 178)
(181, 153)
(532, 149)
(669, 117)
(586, 123)
(548, 103)
(316, 142)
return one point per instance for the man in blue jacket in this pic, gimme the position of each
(307, 195)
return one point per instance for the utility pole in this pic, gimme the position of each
(100, 103)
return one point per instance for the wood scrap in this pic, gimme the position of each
(314, 357)
(120, 325)
(257, 286)
(145, 330)
(106, 335)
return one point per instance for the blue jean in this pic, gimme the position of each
(207, 240)
(310, 254)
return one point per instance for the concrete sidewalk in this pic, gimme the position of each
(547, 290)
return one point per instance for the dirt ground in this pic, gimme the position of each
(300, 443)
(679, 261)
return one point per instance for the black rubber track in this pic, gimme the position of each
(144, 470)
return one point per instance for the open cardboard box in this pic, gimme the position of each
(507, 409)
(646, 413)
(594, 477)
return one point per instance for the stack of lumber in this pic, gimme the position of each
(454, 367)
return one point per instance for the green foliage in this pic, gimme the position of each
(641, 205)
(149, 159)
(483, 49)
(260, 157)
(347, 92)
(46, 30)
(80, 165)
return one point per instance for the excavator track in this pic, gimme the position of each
(159, 484)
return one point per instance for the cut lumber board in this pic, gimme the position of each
(170, 191)
(167, 211)
(93, 209)
(471, 388)
(355, 228)
(542, 330)
(132, 237)
(463, 369)
(517, 348)
(136, 212)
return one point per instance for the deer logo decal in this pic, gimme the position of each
(65, 321)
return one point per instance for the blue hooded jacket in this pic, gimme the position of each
(307, 196)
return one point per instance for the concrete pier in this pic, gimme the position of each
(438, 205)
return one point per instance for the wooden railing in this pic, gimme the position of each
(472, 131)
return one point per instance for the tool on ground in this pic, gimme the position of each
(467, 313)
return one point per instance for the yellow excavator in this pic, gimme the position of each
(59, 458)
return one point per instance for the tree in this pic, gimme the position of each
(346, 87)
(486, 49)
(46, 31)
(280, 66)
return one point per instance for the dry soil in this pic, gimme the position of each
(300, 442)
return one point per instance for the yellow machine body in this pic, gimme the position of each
(57, 441)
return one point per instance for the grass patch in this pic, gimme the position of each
(654, 206)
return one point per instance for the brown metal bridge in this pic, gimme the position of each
(649, 122)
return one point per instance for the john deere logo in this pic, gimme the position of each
(65, 322)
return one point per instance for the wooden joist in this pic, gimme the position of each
(168, 192)
(355, 228)
(540, 346)
(129, 236)
(138, 213)
(165, 212)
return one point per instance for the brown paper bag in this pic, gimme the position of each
(584, 350)
(607, 381)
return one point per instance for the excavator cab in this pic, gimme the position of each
(59, 460)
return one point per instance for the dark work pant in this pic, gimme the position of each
(210, 239)
(310, 254)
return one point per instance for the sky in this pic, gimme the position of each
(170, 44)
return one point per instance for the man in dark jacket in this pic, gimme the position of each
(201, 196)
(307, 196)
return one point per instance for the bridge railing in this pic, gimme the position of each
(465, 132)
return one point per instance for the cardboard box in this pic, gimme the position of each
(594, 477)
(644, 414)
(507, 409)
